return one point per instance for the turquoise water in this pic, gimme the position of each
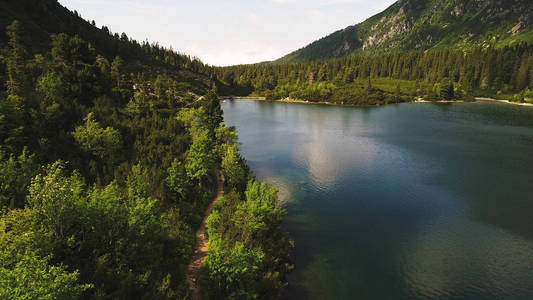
(411, 201)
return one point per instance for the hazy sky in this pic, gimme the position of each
(227, 32)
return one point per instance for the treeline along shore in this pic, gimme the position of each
(447, 74)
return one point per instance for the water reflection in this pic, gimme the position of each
(447, 260)
(416, 201)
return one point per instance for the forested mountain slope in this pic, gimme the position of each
(428, 24)
(108, 152)
(41, 19)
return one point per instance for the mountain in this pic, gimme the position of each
(428, 24)
(42, 18)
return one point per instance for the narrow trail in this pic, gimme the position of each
(202, 245)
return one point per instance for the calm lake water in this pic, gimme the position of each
(412, 201)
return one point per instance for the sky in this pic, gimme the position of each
(228, 32)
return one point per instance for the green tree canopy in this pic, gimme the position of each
(96, 140)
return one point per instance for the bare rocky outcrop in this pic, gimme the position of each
(400, 23)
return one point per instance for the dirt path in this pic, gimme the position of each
(201, 247)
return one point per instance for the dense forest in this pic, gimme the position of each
(108, 152)
(42, 18)
(109, 149)
(391, 78)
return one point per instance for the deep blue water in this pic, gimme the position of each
(411, 201)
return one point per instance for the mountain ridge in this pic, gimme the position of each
(427, 24)
(41, 19)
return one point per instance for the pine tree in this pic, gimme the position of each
(447, 90)
(418, 90)
(116, 70)
(397, 93)
(16, 66)
(369, 86)
(522, 77)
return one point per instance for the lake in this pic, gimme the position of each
(410, 201)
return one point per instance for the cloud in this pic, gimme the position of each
(317, 14)
(282, 1)
(254, 19)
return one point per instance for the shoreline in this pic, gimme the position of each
(293, 101)
(483, 99)
(477, 99)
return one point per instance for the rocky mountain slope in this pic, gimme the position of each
(426, 24)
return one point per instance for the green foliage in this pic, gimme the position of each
(11, 125)
(519, 98)
(46, 281)
(22, 264)
(259, 213)
(127, 239)
(394, 77)
(51, 87)
(16, 72)
(19, 236)
(528, 94)
(109, 219)
(233, 272)
(248, 251)
(94, 139)
(138, 182)
(446, 90)
(212, 107)
(226, 135)
(194, 119)
(130, 147)
(200, 158)
(117, 69)
(55, 199)
(15, 178)
(248, 255)
(231, 166)
(177, 178)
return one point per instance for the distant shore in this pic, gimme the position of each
(333, 103)
(482, 99)
(477, 99)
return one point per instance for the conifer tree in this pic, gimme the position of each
(16, 65)
(522, 79)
